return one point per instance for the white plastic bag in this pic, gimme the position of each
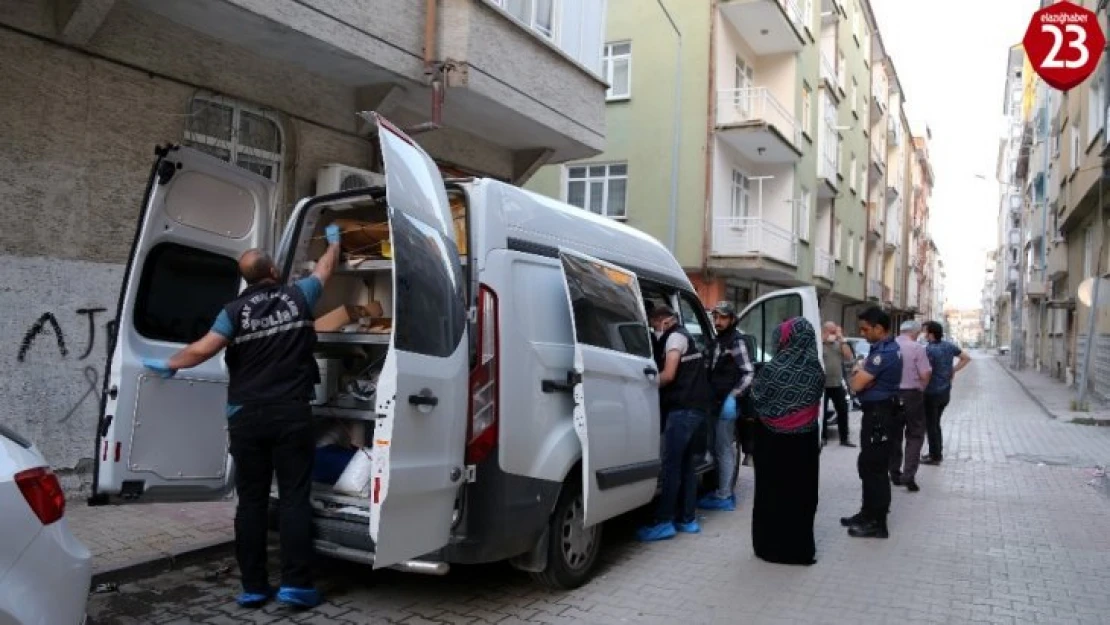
(355, 479)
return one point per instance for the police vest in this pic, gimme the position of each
(690, 389)
(270, 355)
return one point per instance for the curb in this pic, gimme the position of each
(1028, 393)
(146, 567)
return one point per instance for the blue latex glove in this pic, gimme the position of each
(161, 367)
(332, 234)
(729, 411)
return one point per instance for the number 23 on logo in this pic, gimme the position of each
(1064, 42)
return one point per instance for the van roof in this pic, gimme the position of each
(541, 220)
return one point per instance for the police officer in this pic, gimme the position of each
(877, 383)
(269, 335)
(685, 397)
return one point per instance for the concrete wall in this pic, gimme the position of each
(78, 145)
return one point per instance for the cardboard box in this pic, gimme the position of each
(334, 320)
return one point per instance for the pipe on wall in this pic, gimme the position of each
(711, 105)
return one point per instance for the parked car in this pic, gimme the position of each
(44, 570)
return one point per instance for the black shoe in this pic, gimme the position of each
(747, 461)
(869, 529)
(930, 460)
(855, 519)
(911, 485)
(896, 479)
(847, 443)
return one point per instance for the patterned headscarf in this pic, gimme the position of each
(787, 391)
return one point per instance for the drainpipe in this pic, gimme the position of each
(711, 105)
(436, 70)
(672, 235)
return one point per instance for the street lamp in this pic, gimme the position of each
(672, 237)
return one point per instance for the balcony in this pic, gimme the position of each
(1057, 261)
(1035, 286)
(758, 126)
(874, 220)
(878, 104)
(767, 26)
(878, 156)
(874, 289)
(824, 266)
(828, 72)
(754, 237)
(826, 173)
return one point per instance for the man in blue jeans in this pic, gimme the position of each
(685, 395)
(269, 335)
(730, 375)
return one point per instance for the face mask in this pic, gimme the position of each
(658, 333)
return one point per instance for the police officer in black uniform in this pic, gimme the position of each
(269, 335)
(877, 383)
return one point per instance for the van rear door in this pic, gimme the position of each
(165, 439)
(615, 387)
(420, 428)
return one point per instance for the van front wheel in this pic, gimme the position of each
(572, 548)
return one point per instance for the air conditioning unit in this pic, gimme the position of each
(335, 177)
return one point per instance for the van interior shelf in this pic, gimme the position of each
(364, 266)
(352, 338)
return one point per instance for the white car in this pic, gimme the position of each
(44, 570)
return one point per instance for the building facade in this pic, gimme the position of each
(784, 146)
(498, 87)
(1053, 224)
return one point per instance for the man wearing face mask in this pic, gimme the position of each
(730, 375)
(685, 396)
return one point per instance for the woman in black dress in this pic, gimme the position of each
(787, 396)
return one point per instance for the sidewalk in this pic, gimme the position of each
(1054, 397)
(135, 539)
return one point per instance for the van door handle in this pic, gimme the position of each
(424, 400)
(561, 386)
(650, 372)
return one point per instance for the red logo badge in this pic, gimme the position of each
(1064, 42)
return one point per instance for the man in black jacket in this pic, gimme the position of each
(730, 375)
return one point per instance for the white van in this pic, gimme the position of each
(515, 402)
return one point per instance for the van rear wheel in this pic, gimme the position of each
(572, 548)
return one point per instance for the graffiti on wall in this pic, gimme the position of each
(47, 333)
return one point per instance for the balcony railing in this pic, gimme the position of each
(794, 13)
(828, 70)
(756, 104)
(874, 288)
(824, 266)
(752, 236)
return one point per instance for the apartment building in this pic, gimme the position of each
(499, 87)
(776, 106)
(1053, 223)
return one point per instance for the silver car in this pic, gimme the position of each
(44, 570)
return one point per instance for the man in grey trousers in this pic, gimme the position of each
(910, 419)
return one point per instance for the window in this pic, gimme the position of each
(841, 70)
(857, 13)
(1089, 252)
(1076, 149)
(539, 15)
(838, 241)
(851, 249)
(607, 312)
(762, 320)
(600, 189)
(807, 110)
(807, 14)
(1096, 120)
(616, 69)
(852, 173)
(859, 260)
(741, 195)
(855, 97)
(743, 79)
(804, 200)
(237, 134)
(693, 318)
(181, 291)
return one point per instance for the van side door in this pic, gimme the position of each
(166, 439)
(615, 387)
